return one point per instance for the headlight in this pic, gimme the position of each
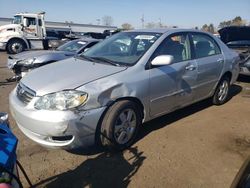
(27, 61)
(62, 100)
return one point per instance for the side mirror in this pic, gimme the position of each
(25, 22)
(162, 60)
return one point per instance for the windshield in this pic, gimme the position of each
(72, 46)
(123, 48)
(17, 20)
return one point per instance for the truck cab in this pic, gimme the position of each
(27, 31)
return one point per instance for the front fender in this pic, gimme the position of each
(19, 38)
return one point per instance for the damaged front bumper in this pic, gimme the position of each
(245, 68)
(56, 129)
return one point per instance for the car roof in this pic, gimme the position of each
(165, 30)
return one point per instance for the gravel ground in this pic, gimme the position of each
(199, 146)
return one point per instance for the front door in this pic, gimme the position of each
(30, 30)
(171, 86)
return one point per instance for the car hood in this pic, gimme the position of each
(235, 33)
(38, 53)
(9, 26)
(67, 74)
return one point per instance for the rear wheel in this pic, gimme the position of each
(222, 91)
(15, 46)
(120, 125)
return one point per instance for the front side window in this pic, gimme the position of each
(204, 46)
(17, 20)
(31, 21)
(176, 45)
(72, 46)
(87, 47)
(123, 48)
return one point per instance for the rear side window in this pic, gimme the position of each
(204, 45)
(40, 22)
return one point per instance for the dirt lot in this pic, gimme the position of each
(199, 146)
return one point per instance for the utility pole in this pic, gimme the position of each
(142, 21)
(160, 25)
(98, 21)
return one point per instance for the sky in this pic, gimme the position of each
(181, 13)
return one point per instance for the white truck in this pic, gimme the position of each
(26, 32)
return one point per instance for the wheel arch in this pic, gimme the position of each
(227, 74)
(24, 41)
(133, 99)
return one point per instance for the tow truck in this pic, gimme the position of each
(27, 31)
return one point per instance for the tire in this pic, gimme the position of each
(15, 46)
(120, 125)
(222, 91)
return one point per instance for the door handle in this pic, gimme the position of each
(220, 60)
(190, 67)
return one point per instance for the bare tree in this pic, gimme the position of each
(204, 27)
(211, 28)
(127, 26)
(151, 25)
(107, 20)
(208, 28)
(236, 21)
(159, 24)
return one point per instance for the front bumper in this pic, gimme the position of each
(245, 68)
(11, 63)
(3, 45)
(56, 129)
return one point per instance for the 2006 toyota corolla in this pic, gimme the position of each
(105, 94)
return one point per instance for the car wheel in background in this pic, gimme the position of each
(15, 46)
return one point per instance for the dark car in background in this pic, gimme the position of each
(24, 62)
(58, 37)
(238, 38)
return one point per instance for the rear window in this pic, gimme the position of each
(204, 45)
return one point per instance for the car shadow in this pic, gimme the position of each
(172, 117)
(105, 170)
(6, 83)
(243, 78)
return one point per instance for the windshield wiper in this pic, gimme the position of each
(103, 59)
(86, 58)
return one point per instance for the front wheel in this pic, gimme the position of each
(222, 91)
(120, 125)
(15, 46)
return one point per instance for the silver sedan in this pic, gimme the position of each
(105, 94)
